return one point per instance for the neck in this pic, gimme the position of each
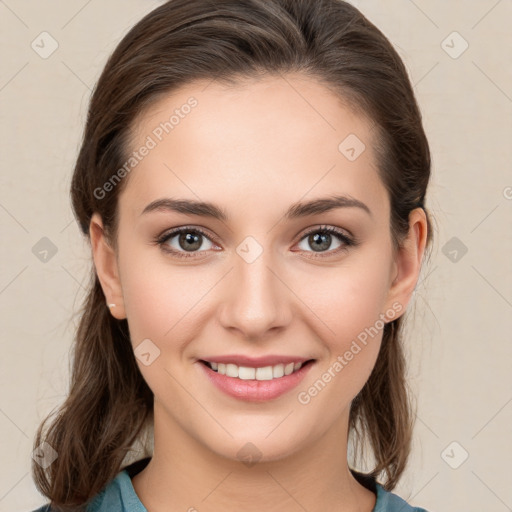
(185, 475)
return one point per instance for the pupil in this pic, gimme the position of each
(324, 240)
(190, 239)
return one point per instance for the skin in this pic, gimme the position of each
(254, 149)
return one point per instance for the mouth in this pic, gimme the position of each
(269, 372)
(255, 384)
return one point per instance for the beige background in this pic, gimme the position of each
(460, 342)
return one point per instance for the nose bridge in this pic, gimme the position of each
(256, 298)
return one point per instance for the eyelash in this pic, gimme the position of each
(347, 241)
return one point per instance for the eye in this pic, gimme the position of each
(321, 238)
(188, 240)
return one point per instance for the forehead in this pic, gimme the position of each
(279, 137)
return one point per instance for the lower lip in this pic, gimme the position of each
(256, 390)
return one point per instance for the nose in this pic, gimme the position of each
(256, 299)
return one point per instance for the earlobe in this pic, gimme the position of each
(407, 265)
(105, 262)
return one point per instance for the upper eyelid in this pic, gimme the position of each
(342, 231)
(176, 231)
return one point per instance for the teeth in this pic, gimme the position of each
(247, 373)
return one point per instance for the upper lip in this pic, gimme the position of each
(255, 362)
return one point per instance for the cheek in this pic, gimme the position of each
(157, 303)
(160, 307)
(349, 315)
(163, 301)
(351, 300)
(350, 327)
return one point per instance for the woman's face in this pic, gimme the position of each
(256, 283)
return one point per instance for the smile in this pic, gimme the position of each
(249, 373)
(255, 384)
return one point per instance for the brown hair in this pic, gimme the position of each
(109, 406)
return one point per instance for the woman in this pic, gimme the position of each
(252, 180)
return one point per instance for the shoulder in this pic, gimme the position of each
(117, 496)
(390, 502)
(386, 501)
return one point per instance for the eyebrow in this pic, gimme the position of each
(296, 210)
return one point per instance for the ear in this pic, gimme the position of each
(407, 262)
(106, 265)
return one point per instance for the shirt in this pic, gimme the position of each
(119, 494)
